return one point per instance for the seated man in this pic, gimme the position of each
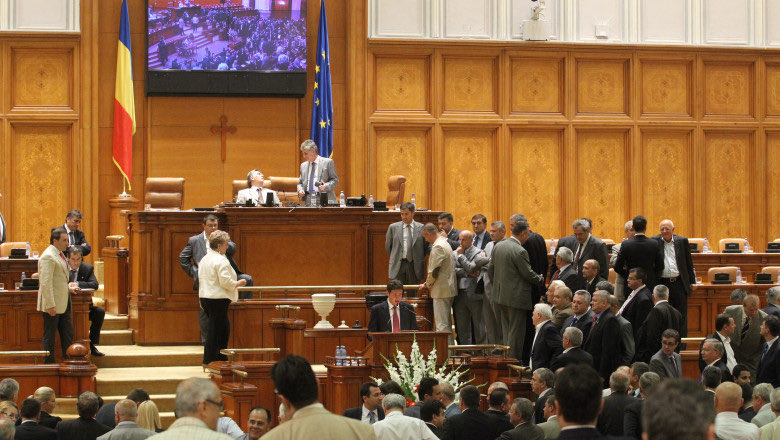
(371, 409)
(255, 191)
(402, 317)
(84, 274)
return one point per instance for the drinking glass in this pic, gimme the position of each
(2, 286)
(35, 254)
(698, 280)
(17, 285)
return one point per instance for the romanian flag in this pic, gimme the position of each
(322, 107)
(124, 101)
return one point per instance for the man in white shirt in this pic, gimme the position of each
(762, 405)
(728, 400)
(398, 426)
(724, 328)
(258, 424)
(255, 191)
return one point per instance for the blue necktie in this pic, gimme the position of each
(312, 165)
(766, 348)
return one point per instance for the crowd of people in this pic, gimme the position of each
(249, 41)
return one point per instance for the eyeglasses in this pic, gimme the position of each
(220, 405)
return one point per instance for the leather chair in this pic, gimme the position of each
(5, 248)
(164, 192)
(774, 270)
(396, 186)
(612, 276)
(739, 241)
(286, 187)
(731, 270)
(699, 243)
(608, 241)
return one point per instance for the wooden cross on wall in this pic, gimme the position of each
(223, 129)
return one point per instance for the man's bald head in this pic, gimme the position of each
(126, 411)
(728, 397)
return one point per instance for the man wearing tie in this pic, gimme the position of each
(54, 294)
(255, 191)
(317, 173)
(665, 362)
(406, 247)
(84, 275)
(392, 315)
(75, 235)
(481, 235)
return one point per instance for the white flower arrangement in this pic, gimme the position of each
(409, 373)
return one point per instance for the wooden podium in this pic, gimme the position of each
(387, 345)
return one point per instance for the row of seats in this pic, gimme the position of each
(774, 271)
(168, 192)
(698, 241)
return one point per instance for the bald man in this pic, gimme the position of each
(728, 400)
(125, 414)
(678, 274)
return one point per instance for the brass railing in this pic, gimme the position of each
(483, 349)
(232, 352)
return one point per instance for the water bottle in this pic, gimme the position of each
(706, 249)
(24, 276)
(413, 200)
(552, 246)
(342, 200)
(739, 276)
(344, 356)
(339, 360)
(314, 198)
(746, 249)
(370, 200)
(28, 248)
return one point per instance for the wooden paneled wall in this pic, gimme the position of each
(42, 171)
(562, 131)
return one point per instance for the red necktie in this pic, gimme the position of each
(396, 320)
(555, 275)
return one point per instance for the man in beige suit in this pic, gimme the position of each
(747, 340)
(297, 387)
(54, 294)
(441, 278)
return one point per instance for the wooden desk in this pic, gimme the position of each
(21, 325)
(11, 270)
(708, 300)
(277, 246)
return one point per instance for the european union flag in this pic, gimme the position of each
(322, 107)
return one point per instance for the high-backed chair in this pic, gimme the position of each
(731, 270)
(5, 248)
(612, 276)
(396, 186)
(774, 270)
(238, 185)
(739, 241)
(164, 192)
(699, 243)
(608, 241)
(286, 187)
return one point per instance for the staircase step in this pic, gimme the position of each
(116, 337)
(118, 356)
(160, 380)
(115, 322)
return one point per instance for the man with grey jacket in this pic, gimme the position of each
(467, 307)
(489, 306)
(125, 414)
(512, 277)
(406, 248)
(318, 174)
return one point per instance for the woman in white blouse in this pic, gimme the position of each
(217, 289)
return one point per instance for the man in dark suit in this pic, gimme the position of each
(448, 231)
(481, 235)
(588, 247)
(665, 362)
(564, 242)
(30, 429)
(639, 302)
(626, 335)
(75, 235)
(632, 418)
(471, 424)
(403, 317)
(724, 329)
(678, 272)
(712, 351)
(432, 413)
(371, 410)
(641, 252)
(195, 250)
(84, 274)
(542, 382)
(547, 340)
(567, 272)
(769, 365)
(661, 317)
(772, 304)
(578, 398)
(48, 400)
(520, 414)
(611, 418)
(572, 350)
(602, 342)
(583, 315)
(85, 427)
(498, 407)
(590, 275)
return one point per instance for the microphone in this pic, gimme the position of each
(414, 306)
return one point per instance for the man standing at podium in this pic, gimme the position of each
(392, 315)
(317, 173)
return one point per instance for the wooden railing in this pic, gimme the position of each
(25, 353)
(339, 289)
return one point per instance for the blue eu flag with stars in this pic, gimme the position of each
(322, 107)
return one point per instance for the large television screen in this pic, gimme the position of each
(226, 47)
